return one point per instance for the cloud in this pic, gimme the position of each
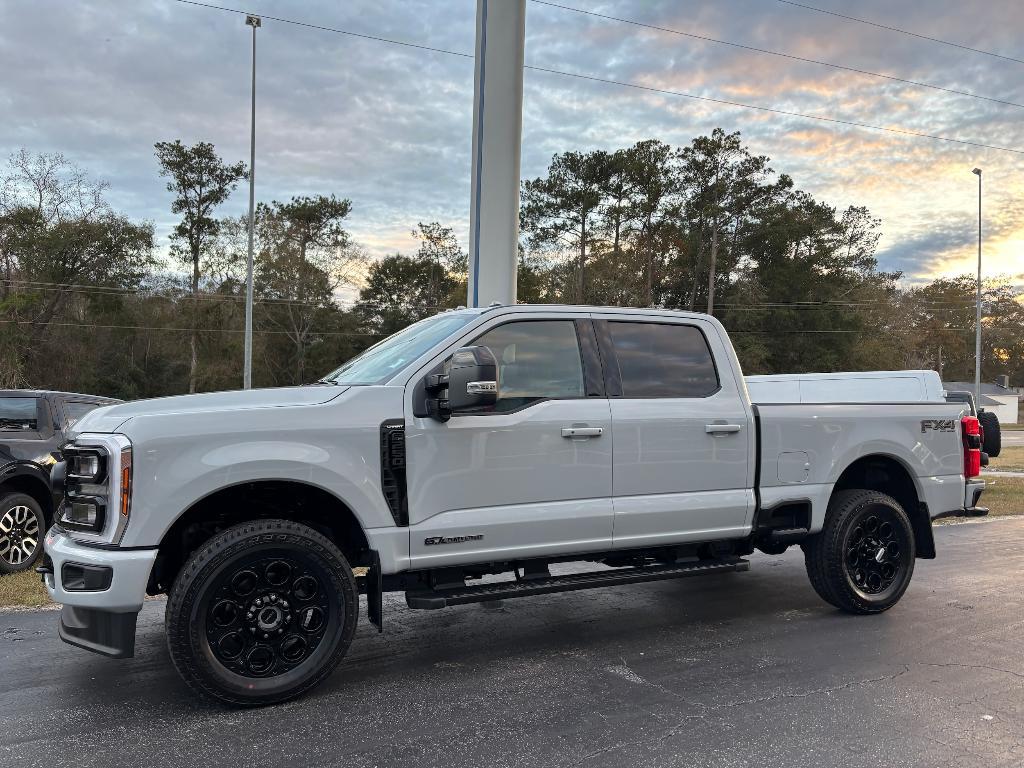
(389, 127)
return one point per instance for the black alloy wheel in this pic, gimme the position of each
(267, 615)
(863, 558)
(261, 613)
(874, 552)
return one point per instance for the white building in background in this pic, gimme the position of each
(1003, 401)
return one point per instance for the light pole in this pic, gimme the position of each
(254, 22)
(977, 327)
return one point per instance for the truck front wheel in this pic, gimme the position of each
(863, 559)
(261, 613)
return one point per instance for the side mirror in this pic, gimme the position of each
(471, 383)
(472, 379)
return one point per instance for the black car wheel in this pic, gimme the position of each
(261, 613)
(993, 437)
(22, 527)
(863, 559)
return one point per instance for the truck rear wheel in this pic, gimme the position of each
(261, 613)
(863, 559)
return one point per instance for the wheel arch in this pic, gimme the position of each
(229, 505)
(890, 475)
(33, 482)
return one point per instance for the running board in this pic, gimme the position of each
(787, 535)
(429, 599)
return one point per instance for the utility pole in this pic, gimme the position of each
(977, 328)
(497, 142)
(254, 22)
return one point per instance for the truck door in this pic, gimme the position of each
(683, 431)
(533, 476)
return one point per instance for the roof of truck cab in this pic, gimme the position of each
(584, 308)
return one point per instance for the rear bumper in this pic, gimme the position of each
(101, 620)
(972, 495)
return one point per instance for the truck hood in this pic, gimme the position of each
(110, 418)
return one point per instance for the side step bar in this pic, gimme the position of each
(429, 599)
(787, 535)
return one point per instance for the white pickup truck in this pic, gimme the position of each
(456, 461)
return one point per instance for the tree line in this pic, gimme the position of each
(88, 302)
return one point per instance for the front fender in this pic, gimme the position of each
(335, 447)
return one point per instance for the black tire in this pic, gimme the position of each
(22, 527)
(275, 578)
(863, 559)
(993, 443)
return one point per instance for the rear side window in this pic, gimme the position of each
(75, 411)
(663, 360)
(19, 413)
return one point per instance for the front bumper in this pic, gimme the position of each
(100, 620)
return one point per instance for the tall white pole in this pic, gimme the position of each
(254, 22)
(497, 143)
(977, 328)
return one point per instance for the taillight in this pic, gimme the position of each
(971, 429)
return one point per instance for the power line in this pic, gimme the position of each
(773, 110)
(901, 31)
(625, 84)
(329, 29)
(86, 289)
(792, 57)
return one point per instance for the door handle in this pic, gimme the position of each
(722, 429)
(582, 431)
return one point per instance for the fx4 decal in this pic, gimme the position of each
(432, 540)
(938, 425)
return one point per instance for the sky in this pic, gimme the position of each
(389, 127)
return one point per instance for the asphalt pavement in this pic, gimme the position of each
(730, 670)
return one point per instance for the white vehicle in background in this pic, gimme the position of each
(480, 443)
(854, 387)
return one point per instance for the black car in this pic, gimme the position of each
(33, 424)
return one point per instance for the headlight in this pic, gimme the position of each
(98, 488)
(86, 466)
(83, 513)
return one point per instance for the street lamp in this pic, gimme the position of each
(977, 327)
(254, 22)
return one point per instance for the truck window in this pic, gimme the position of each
(537, 360)
(19, 414)
(663, 360)
(76, 410)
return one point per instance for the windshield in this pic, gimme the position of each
(383, 360)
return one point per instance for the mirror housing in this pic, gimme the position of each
(471, 383)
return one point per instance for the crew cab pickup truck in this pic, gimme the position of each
(458, 461)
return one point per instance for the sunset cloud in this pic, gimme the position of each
(389, 127)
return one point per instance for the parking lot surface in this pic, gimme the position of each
(734, 670)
